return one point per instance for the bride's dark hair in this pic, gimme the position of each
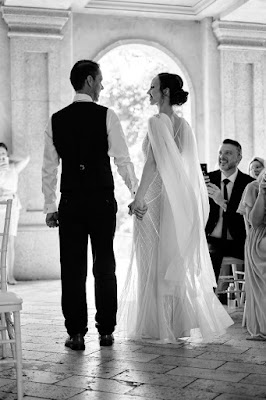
(174, 83)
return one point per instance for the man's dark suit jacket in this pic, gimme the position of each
(235, 221)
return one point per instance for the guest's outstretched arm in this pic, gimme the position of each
(20, 163)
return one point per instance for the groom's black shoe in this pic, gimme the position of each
(106, 340)
(75, 342)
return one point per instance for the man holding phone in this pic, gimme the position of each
(225, 228)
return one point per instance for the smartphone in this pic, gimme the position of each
(203, 167)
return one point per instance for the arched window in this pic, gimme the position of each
(128, 70)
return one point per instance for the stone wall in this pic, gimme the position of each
(243, 85)
(39, 57)
(5, 98)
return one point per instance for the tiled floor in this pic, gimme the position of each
(228, 368)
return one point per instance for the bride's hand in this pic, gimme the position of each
(138, 207)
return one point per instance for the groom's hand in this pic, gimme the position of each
(52, 220)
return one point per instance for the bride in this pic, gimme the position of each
(168, 292)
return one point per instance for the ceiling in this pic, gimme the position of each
(253, 11)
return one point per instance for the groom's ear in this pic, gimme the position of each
(90, 80)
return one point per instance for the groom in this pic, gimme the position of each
(84, 135)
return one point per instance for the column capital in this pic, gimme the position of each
(23, 21)
(240, 35)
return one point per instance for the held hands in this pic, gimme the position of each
(52, 220)
(139, 208)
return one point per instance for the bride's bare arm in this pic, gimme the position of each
(148, 174)
(147, 177)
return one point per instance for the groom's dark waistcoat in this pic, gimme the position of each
(80, 138)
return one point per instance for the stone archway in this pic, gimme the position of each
(176, 66)
(107, 57)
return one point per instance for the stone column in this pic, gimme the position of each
(211, 93)
(243, 85)
(39, 87)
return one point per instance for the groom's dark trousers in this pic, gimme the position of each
(80, 218)
(87, 209)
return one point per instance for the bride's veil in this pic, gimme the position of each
(185, 201)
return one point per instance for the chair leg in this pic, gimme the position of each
(11, 333)
(244, 316)
(236, 284)
(18, 355)
(4, 334)
(243, 295)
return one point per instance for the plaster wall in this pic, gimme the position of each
(47, 90)
(243, 93)
(35, 73)
(5, 94)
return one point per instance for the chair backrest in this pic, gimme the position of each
(3, 249)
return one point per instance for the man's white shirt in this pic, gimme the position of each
(217, 232)
(117, 148)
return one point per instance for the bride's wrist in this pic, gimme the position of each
(138, 198)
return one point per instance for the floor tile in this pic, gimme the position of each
(228, 387)
(228, 367)
(169, 393)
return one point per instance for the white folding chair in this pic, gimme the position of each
(10, 306)
(237, 277)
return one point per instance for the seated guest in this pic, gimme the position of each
(225, 228)
(10, 168)
(255, 166)
(253, 206)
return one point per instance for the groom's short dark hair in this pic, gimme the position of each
(81, 70)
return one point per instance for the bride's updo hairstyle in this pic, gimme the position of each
(174, 83)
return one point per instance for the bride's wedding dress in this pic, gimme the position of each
(168, 292)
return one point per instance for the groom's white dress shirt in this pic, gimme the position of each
(117, 149)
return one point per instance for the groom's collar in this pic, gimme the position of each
(82, 97)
